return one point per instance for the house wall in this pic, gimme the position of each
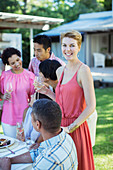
(111, 45)
(56, 48)
(87, 50)
(99, 44)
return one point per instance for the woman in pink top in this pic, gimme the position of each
(76, 97)
(16, 86)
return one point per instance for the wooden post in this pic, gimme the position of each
(31, 43)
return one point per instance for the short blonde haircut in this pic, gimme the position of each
(72, 34)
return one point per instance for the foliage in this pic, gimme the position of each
(69, 10)
(10, 6)
(107, 4)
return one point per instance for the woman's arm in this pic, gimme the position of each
(48, 92)
(59, 72)
(85, 80)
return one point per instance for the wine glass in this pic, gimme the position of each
(39, 83)
(9, 88)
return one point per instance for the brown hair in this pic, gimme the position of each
(72, 34)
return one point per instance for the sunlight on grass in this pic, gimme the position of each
(100, 139)
(104, 163)
(103, 126)
(103, 150)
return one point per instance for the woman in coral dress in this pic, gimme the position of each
(76, 97)
(16, 87)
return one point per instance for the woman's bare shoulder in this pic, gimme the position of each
(59, 72)
(84, 72)
(84, 68)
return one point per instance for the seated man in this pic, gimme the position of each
(57, 151)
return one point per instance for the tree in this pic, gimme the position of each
(10, 6)
(23, 6)
(69, 10)
(107, 5)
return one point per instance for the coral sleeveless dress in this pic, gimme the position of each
(70, 97)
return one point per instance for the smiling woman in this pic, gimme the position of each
(16, 86)
(76, 97)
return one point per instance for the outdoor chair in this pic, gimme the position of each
(99, 60)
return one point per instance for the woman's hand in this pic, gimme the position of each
(71, 128)
(42, 90)
(20, 136)
(6, 96)
(40, 86)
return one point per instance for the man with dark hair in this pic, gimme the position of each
(42, 51)
(57, 151)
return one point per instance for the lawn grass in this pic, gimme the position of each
(103, 149)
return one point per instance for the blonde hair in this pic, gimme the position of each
(72, 34)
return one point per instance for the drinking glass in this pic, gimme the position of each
(9, 88)
(20, 131)
(29, 142)
(39, 83)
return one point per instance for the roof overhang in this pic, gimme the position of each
(86, 23)
(9, 20)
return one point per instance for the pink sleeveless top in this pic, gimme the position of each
(70, 97)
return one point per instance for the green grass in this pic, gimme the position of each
(103, 149)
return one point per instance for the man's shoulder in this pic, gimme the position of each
(57, 143)
(53, 57)
(34, 60)
(58, 154)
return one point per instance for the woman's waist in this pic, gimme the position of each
(71, 115)
(67, 121)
